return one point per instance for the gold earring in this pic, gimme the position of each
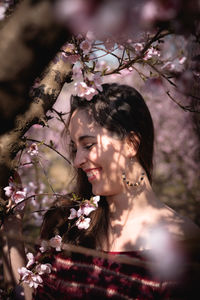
(130, 183)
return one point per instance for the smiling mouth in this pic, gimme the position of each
(92, 173)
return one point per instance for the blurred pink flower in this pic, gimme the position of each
(43, 269)
(56, 242)
(44, 246)
(151, 52)
(73, 214)
(31, 259)
(33, 149)
(138, 47)
(86, 46)
(77, 72)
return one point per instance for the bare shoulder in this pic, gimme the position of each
(181, 227)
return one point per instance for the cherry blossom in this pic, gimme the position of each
(3, 9)
(83, 90)
(43, 269)
(27, 276)
(95, 200)
(16, 193)
(86, 46)
(9, 190)
(19, 196)
(138, 47)
(56, 242)
(96, 80)
(31, 259)
(83, 223)
(151, 52)
(73, 214)
(177, 65)
(85, 209)
(33, 149)
(44, 246)
(77, 72)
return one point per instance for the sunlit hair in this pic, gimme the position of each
(121, 110)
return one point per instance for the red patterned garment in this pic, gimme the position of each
(86, 277)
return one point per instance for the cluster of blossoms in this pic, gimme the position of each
(86, 207)
(86, 84)
(31, 274)
(16, 193)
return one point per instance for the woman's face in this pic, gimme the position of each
(100, 155)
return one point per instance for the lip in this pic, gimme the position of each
(92, 173)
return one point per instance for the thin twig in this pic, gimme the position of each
(185, 108)
(36, 141)
(128, 64)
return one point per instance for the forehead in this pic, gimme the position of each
(81, 123)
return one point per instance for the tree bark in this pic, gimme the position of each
(30, 38)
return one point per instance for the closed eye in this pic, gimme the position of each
(89, 146)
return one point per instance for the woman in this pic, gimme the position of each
(111, 146)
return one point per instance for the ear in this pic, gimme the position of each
(133, 143)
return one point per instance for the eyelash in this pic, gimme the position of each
(89, 146)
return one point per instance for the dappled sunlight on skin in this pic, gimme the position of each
(109, 156)
(157, 243)
(138, 220)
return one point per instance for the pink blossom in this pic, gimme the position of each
(27, 276)
(33, 149)
(77, 72)
(95, 200)
(85, 209)
(73, 214)
(102, 65)
(9, 190)
(85, 91)
(43, 269)
(86, 46)
(56, 242)
(90, 36)
(31, 259)
(19, 196)
(109, 44)
(97, 81)
(44, 246)
(149, 11)
(2, 11)
(151, 52)
(138, 47)
(175, 66)
(83, 223)
(153, 11)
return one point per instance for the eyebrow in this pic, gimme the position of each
(82, 137)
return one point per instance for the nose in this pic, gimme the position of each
(79, 159)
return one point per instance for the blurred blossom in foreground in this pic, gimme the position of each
(165, 253)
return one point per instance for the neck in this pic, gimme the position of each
(131, 203)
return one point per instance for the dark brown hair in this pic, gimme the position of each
(123, 111)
